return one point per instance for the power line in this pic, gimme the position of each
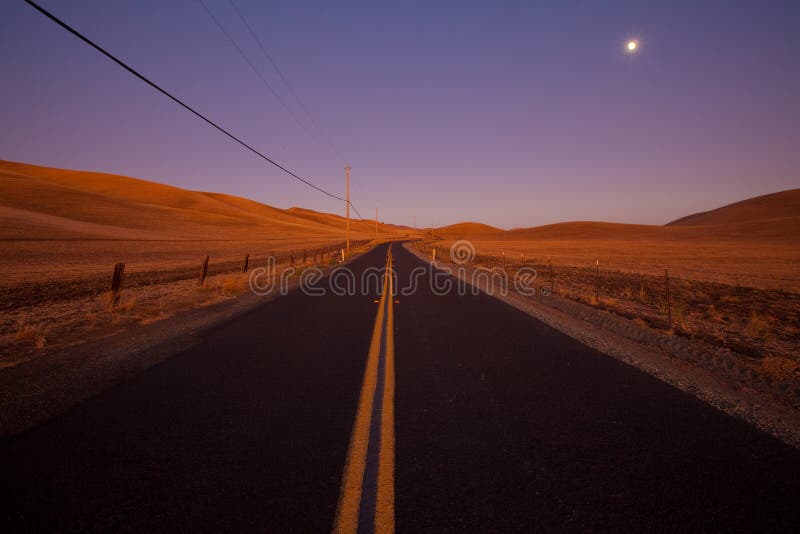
(174, 98)
(256, 71)
(266, 83)
(283, 78)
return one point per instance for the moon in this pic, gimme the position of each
(632, 45)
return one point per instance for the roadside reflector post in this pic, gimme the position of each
(342, 255)
(597, 282)
(305, 256)
(552, 281)
(669, 307)
(246, 262)
(116, 283)
(201, 280)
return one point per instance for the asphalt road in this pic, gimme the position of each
(500, 424)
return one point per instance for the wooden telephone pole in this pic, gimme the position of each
(347, 178)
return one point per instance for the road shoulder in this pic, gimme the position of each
(673, 361)
(38, 389)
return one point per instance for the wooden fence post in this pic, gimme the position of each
(305, 256)
(669, 306)
(246, 263)
(201, 280)
(116, 283)
(291, 257)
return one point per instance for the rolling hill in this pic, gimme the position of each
(46, 203)
(774, 206)
(773, 218)
(467, 228)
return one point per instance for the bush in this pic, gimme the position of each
(758, 327)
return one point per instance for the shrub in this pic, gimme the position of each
(233, 285)
(643, 296)
(780, 367)
(758, 327)
(33, 333)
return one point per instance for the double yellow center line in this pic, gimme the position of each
(366, 497)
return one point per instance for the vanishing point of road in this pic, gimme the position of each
(414, 413)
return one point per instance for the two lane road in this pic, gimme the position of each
(422, 412)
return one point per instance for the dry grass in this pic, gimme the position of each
(756, 264)
(758, 327)
(781, 367)
(680, 314)
(233, 285)
(31, 333)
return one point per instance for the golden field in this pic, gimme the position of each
(73, 224)
(754, 243)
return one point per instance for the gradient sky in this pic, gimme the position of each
(510, 113)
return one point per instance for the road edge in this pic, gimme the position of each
(37, 390)
(756, 408)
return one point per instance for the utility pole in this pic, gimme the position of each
(347, 178)
(376, 224)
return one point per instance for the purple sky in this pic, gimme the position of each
(510, 113)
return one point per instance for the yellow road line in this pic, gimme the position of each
(350, 492)
(384, 508)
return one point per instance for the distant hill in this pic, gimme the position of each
(338, 220)
(773, 206)
(583, 230)
(466, 229)
(773, 218)
(46, 203)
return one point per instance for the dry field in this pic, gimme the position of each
(62, 232)
(747, 264)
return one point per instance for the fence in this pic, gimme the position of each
(123, 276)
(299, 258)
